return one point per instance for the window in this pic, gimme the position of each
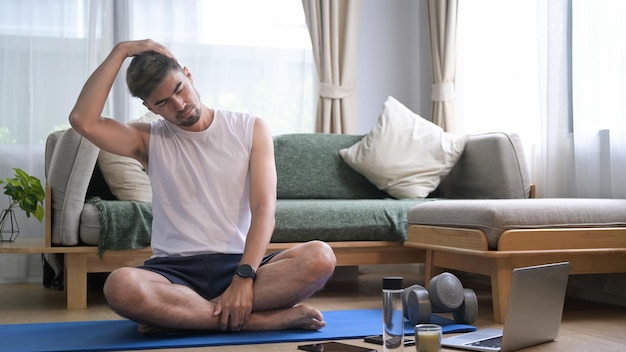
(498, 74)
(554, 72)
(44, 18)
(599, 64)
(244, 55)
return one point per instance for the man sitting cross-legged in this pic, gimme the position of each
(213, 180)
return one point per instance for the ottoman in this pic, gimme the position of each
(492, 237)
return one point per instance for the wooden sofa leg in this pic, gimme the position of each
(500, 288)
(76, 280)
(430, 270)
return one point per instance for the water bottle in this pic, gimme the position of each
(393, 317)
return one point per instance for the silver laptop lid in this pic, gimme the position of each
(535, 305)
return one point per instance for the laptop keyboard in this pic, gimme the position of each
(492, 342)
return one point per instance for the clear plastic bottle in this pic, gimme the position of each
(393, 317)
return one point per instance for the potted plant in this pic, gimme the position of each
(24, 191)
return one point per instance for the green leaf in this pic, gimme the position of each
(39, 213)
(26, 192)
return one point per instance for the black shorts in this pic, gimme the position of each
(207, 274)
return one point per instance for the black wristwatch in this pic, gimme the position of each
(246, 271)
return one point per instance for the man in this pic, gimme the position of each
(213, 181)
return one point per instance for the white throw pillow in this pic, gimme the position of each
(404, 154)
(125, 176)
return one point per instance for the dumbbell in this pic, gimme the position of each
(445, 294)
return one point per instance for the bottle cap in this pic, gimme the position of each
(392, 283)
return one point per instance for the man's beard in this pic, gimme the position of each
(193, 118)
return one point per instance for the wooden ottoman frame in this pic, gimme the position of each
(589, 250)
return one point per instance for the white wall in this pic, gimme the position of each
(393, 58)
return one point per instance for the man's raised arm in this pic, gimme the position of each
(109, 134)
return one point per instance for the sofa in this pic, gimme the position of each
(320, 197)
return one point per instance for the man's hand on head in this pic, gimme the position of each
(136, 47)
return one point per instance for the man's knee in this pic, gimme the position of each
(322, 257)
(120, 286)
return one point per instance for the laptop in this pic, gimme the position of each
(533, 314)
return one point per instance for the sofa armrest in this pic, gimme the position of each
(70, 161)
(492, 166)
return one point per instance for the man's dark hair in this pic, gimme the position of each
(147, 71)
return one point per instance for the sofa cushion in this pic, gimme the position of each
(299, 220)
(70, 168)
(125, 176)
(492, 165)
(494, 216)
(334, 220)
(90, 226)
(404, 154)
(308, 165)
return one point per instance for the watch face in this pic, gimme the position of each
(246, 271)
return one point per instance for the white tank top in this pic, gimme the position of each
(200, 186)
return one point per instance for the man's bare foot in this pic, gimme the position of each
(298, 317)
(309, 318)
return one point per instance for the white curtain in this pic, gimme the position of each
(553, 153)
(333, 27)
(599, 97)
(442, 19)
(554, 72)
(244, 55)
(47, 51)
(583, 90)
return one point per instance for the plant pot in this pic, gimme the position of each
(9, 229)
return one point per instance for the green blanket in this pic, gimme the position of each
(125, 224)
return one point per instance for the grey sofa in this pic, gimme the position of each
(319, 197)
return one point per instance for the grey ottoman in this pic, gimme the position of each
(492, 237)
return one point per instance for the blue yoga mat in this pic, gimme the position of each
(116, 335)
